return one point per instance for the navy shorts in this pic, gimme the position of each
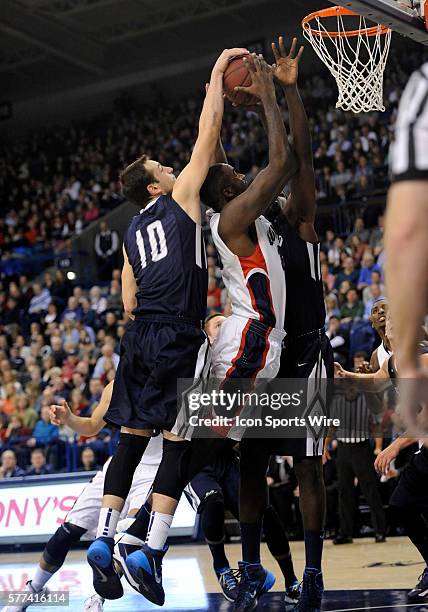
(220, 479)
(412, 488)
(154, 353)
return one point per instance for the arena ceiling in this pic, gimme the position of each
(47, 45)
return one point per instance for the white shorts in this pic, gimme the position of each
(246, 349)
(86, 510)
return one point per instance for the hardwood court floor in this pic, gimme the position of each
(357, 576)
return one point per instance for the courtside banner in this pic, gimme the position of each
(31, 509)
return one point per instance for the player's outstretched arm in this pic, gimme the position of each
(219, 156)
(129, 286)
(188, 184)
(238, 214)
(85, 426)
(301, 205)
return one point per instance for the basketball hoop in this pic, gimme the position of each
(356, 58)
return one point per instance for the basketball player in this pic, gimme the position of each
(249, 342)
(410, 497)
(405, 239)
(378, 321)
(83, 517)
(164, 286)
(216, 489)
(307, 352)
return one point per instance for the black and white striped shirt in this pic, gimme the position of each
(409, 160)
(354, 417)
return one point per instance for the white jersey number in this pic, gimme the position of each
(157, 241)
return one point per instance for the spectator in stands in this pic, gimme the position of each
(107, 250)
(357, 249)
(375, 294)
(44, 433)
(69, 332)
(341, 180)
(368, 266)
(353, 307)
(40, 301)
(73, 312)
(114, 298)
(8, 467)
(88, 460)
(348, 273)
(38, 464)
(376, 280)
(108, 354)
(57, 351)
(335, 252)
(327, 277)
(337, 340)
(26, 412)
(98, 301)
(360, 231)
(360, 357)
(60, 289)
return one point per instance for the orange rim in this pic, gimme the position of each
(334, 11)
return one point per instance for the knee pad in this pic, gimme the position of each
(121, 470)
(171, 477)
(60, 543)
(212, 518)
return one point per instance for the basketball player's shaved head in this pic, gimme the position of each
(223, 183)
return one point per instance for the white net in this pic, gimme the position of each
(357, 62)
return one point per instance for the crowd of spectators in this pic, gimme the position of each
(57, 342)
(60, 340)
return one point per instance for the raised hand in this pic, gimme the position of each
(59, 414)
(262, 84)
(227, 56)
(339, 371)
(286, 67)
(384, 459)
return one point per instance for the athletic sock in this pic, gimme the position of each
(286, 565)
(158, 530)
(141, 523)
(220, 561)
(314, 541)
(107, 523)
(250, 536)
(40, 579)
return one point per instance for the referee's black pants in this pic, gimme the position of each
(357, 459)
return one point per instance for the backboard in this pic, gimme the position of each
(396, 14)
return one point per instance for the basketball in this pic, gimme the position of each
(237, 75)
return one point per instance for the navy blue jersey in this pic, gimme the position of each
(305, 310)
(166, 250)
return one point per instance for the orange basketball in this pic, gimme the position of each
(238, 75)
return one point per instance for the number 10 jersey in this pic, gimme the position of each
(166, 250)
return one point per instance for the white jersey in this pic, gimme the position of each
(255, 284)
(382, 354)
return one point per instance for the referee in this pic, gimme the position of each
(406, 241)
(355, 459)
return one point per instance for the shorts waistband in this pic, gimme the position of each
(162, 318)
